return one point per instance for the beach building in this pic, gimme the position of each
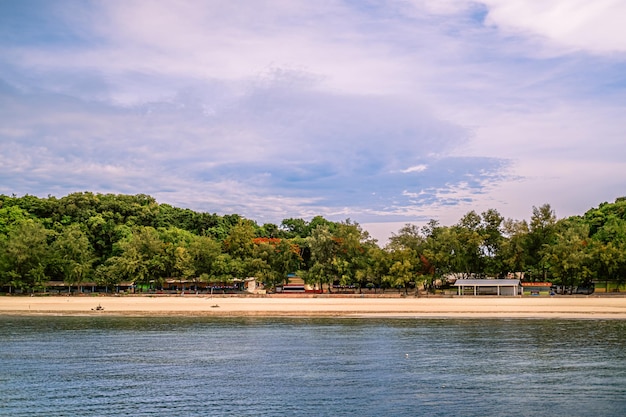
(189, 285)
(537, 288)
(296, 284)
(507, 287)
(59, 287)
(251, 285)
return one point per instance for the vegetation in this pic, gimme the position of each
(108, 239)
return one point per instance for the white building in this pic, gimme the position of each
(510, 287)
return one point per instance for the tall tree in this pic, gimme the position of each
(408, 237)
(440, 250)
(514, 255)
(568, 256)
(323, 248)
(608, 247)
(349, 261)
(295, 228)
(378, 267)
(73, 255)
(491, 231)
(407, 254)
(287, 258)
(540, 237)
(9, 216)
(402, 269)
(609, 262)
(25, 255)
(239, 243)
(468, 251)
(143, 257)
(204, 252)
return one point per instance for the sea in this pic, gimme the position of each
(190, 366)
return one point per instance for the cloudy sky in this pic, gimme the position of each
(384, 112)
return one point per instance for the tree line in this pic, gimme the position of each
(109, 238)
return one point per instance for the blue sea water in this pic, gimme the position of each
(112, 366)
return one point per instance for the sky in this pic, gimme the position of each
(383, 112)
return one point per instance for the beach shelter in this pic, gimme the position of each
(509, 287)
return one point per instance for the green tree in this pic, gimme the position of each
(270, 230)
(143, 257)
(183, 263)
(260, 264)
(467, 252)
(492, 241)
(439, 251)
(352, 243)
(295, 228)
(176, 259)
(402, 269)
(25, 255)
(609, 260)
(608, 248)
(9, 216)
(226, 268)
(514, 244)
(323, 247)
(569, 255)
(540, 237)
(377, 268)
(239, 243)
(407, 253)
(408, 237)
(274, 260)
(73, 255)
(204, 252)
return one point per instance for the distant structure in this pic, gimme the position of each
(506, 287)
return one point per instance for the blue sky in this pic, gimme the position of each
(384, 112)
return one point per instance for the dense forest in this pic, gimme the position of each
(108, 239)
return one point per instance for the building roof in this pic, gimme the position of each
(86, 284)
(536, 284)
(487, 283)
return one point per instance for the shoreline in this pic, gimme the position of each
(589, 307)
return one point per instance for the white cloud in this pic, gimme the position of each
(567, 25)
(226, 41)
(415, 168)
(594, 26)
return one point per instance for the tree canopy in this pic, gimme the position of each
(108, 239)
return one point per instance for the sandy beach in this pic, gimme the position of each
(320, 306)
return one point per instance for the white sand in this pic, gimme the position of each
(191, 305)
